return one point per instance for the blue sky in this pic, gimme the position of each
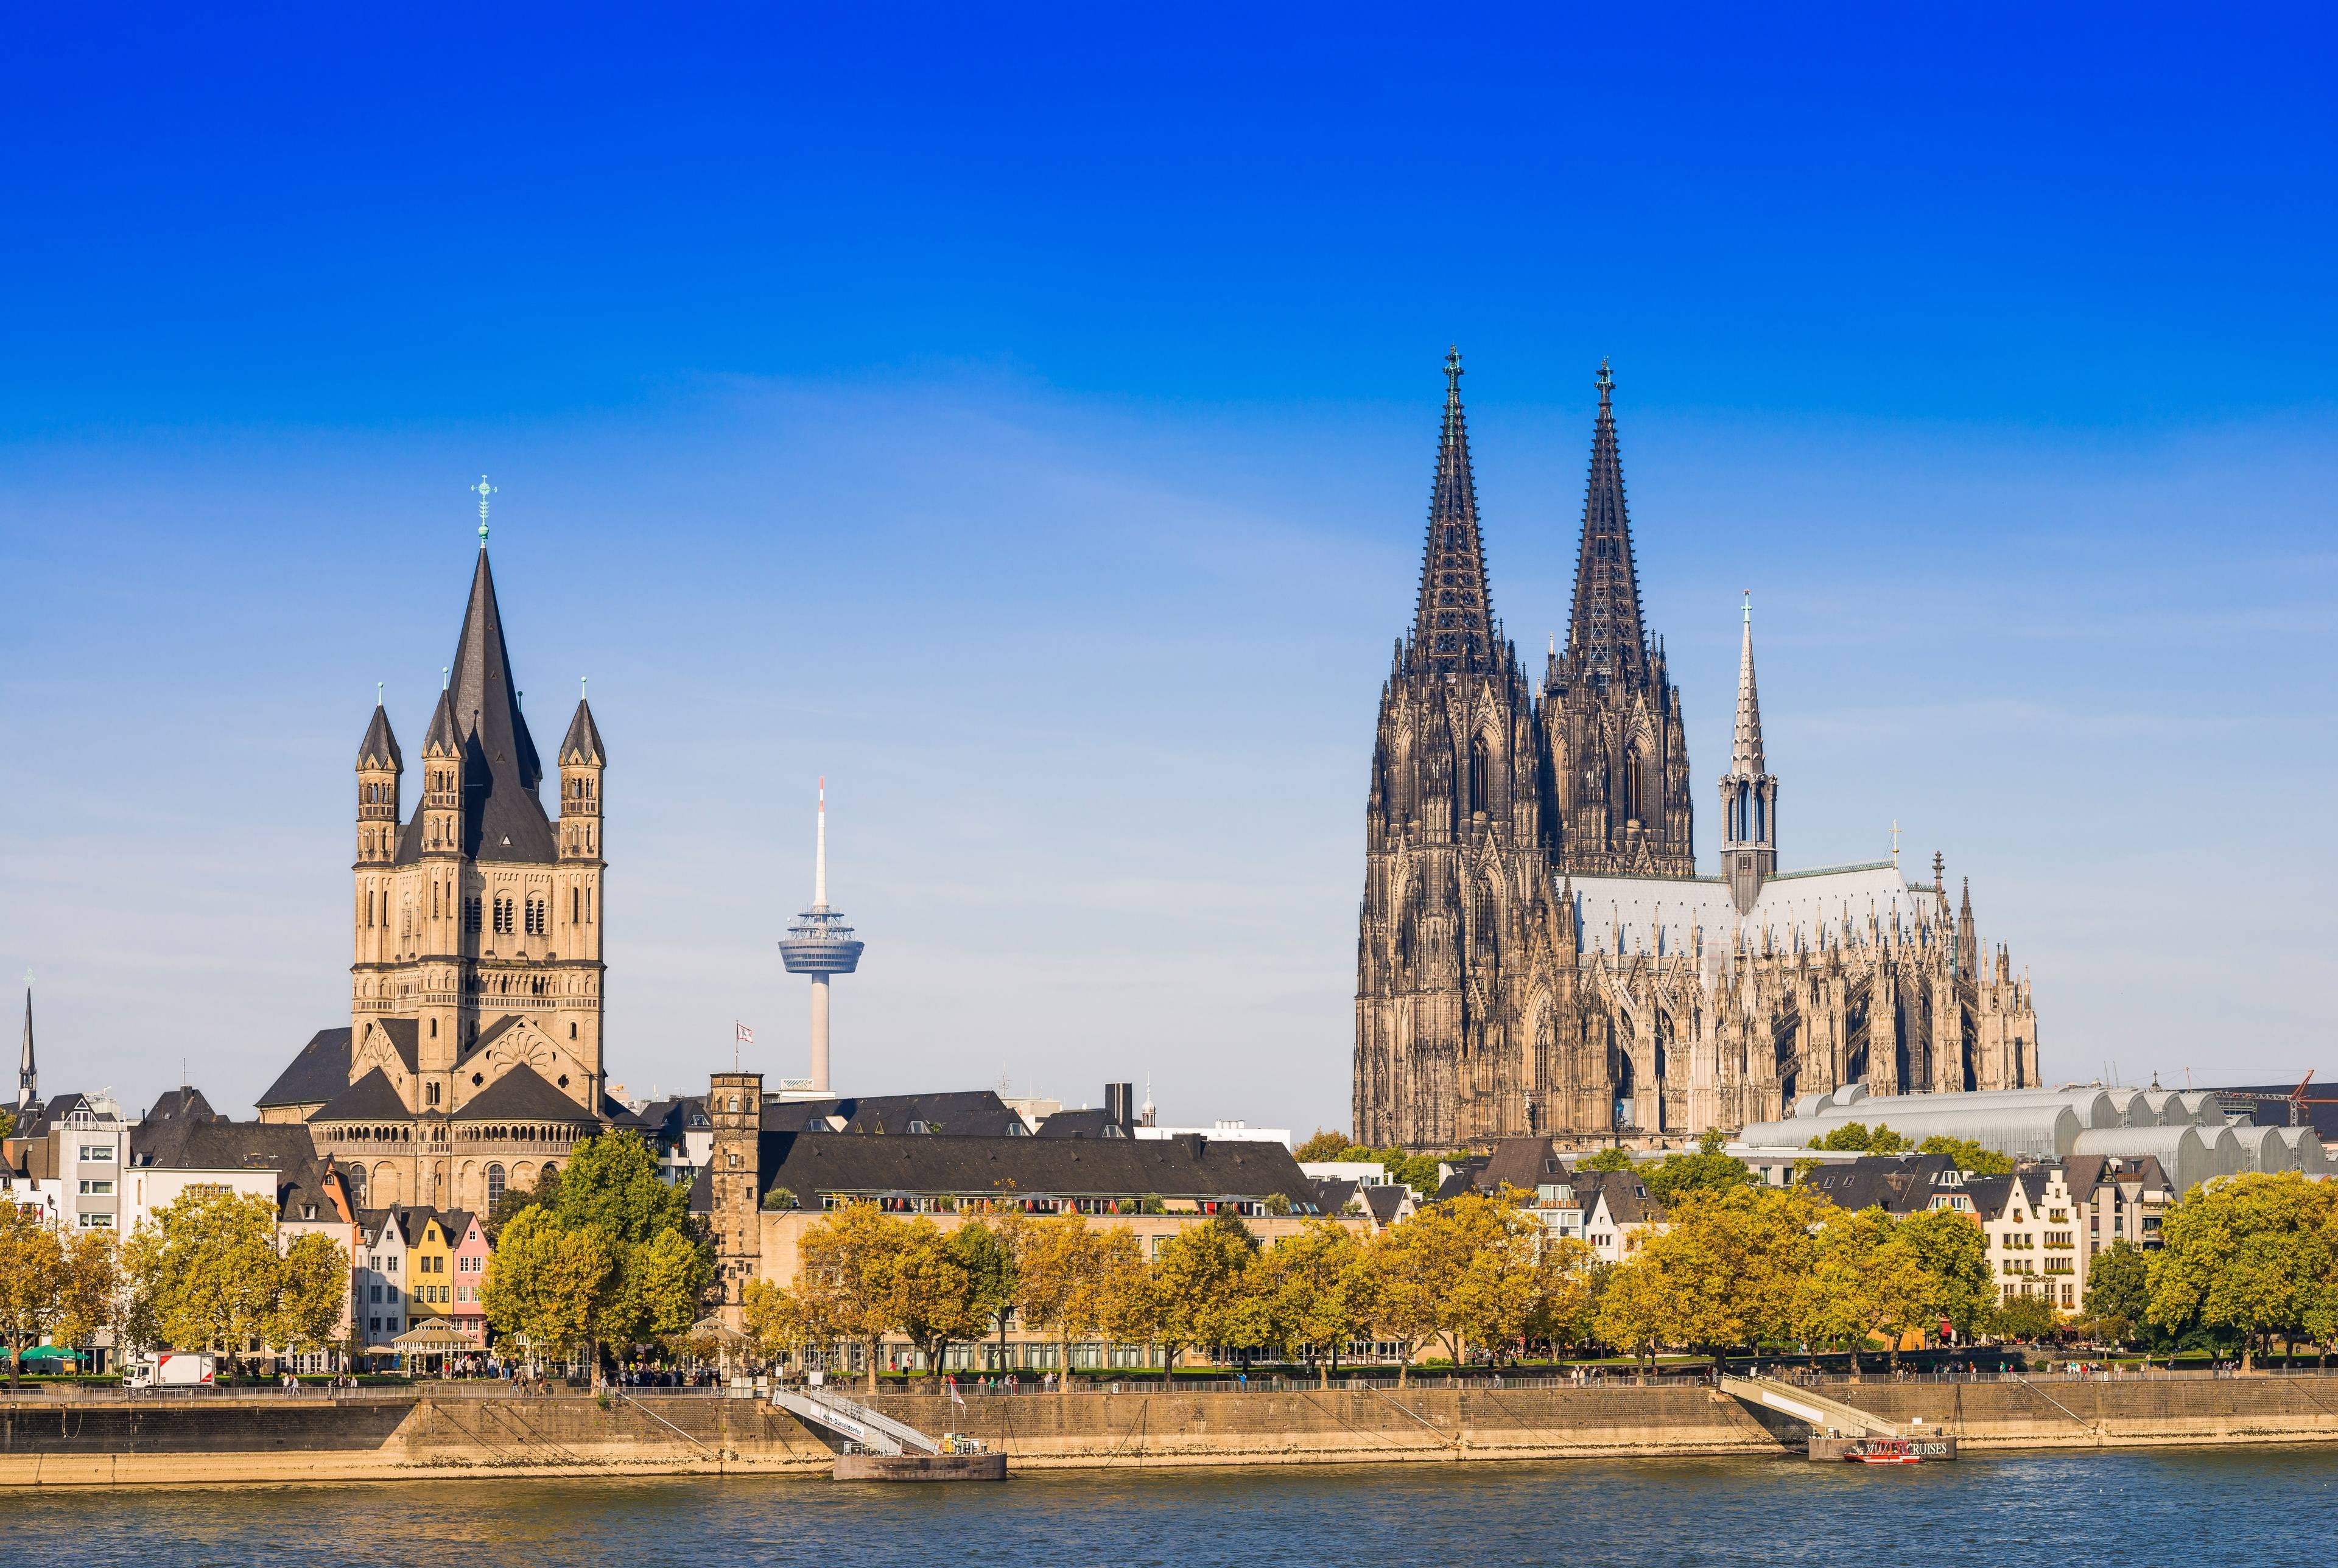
(1026, 419)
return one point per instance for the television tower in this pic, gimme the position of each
(820, 944)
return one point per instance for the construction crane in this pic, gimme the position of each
(2297, 1100)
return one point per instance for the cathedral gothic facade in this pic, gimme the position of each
(1536, 953)
(473, 1055)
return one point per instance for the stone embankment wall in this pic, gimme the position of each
(219, 1439)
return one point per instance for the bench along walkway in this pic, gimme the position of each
(872, 1429)
(1804, 1406)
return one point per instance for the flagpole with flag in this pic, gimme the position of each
(741, 1038)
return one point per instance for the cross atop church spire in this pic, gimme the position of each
(1605, 638)
(1453, 625)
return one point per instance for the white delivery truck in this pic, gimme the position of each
(171, 1370)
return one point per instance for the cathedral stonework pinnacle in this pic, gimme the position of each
(1536, 954)
(1453, 626)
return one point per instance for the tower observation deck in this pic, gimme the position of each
(820, 944)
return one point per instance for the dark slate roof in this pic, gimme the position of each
(2084, 1172)
(319, 1072)
(1386, 1202)
(583, 743)
(522, 1095)
(665, 1123)
(372, 1098)
(809, 1163)
(1081, 1123)
(1331, 1194)
(1628, 1203)
(58, 1108)
(183, 1143)
(971, 1114)
(1463, 1178)
(182, 1103)
(442, 739)
(503, 820)
(405, 1035)
(1524, 1163)
(1990, 1194)
(1895, 1185)
(379, 747)
(492, 1033)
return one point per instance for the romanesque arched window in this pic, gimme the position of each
(494, 1185)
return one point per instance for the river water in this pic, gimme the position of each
(2192, 1507)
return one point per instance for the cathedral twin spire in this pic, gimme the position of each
(1605, 638)
(1453, 628)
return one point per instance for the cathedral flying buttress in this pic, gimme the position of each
(1536, 953)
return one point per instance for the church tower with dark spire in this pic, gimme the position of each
(1618, 753)
(1454, 890)
(473, 1051)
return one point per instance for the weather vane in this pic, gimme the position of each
(483, 490)
(1453, 366)
(1605, 382)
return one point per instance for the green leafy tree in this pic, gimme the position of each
(1969, 1155)
(1207, 1293)
(2248, 1254)
(1080, 1283)
(1324, 1146)
(2118, 1291)
(1707, 1170)
(543, 1195)
(1418, 1172)
(7, 1122)
(1960, 1289)
(1866, 1279)
(1317, 1292)
(936, 1299)
(648, 1267)
(1608, 1160)
(989, 1253)
(1856, 1137)
(1631, 1313)
(53, 1285)
(2027, 1318)
(844, 1285)
(546, 1284)
(312, 1288)
(204, 1273)
(1728, 1269)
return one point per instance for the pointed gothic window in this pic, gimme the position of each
(1632, 812)
(1478, 769)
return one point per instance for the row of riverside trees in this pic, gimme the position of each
(1476, 1272)
(205, 1272)
(2242, 1262)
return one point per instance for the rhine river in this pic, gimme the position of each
(2185, 1507)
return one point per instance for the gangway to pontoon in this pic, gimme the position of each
(872, 1429)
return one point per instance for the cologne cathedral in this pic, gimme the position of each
(1537, 953)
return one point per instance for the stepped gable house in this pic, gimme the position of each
(473, 1054)
(1535, 952)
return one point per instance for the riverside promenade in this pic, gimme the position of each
(483, 1430)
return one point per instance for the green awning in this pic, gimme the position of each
(51, 1353)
